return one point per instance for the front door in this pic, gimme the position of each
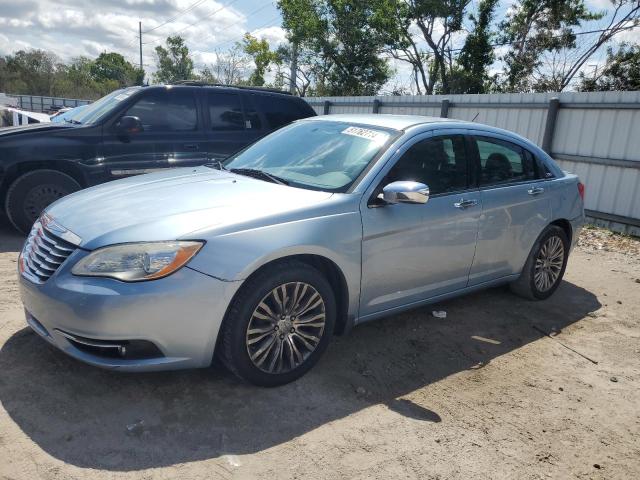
(411, 252)
(171, 135)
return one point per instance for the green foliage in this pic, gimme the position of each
(174, 62)
(113, 66)
(36, 72)
(261, 55)
(621, 71)
(477, 54)
(346, 47)
(535, 27)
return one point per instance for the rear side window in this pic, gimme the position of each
(503, 162)
(166, 111)
(225, 111)
(279, 111)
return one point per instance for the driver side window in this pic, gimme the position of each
(166, 111)
(440, 162)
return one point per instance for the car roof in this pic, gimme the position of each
(221, 87)
(397, 122)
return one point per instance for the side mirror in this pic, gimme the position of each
(405, 192)
(129, 126)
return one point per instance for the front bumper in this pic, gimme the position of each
(180, 314)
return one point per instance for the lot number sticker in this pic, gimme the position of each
(373, 135)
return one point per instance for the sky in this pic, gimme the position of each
(72, 28)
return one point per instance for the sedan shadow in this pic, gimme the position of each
(122, 422)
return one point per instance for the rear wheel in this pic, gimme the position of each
(545, 266)
(32, 192)
(278, 325)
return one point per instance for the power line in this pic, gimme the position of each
(237, 23)
(196, 22)
(178, 15)
(502, 44)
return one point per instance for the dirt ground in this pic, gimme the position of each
(481, 394)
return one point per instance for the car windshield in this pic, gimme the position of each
(96, 110)
(319, 155)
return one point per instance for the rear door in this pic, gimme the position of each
(172, 136)
(228, 126)
(515, 207)
(279, 110)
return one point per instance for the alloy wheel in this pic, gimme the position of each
(549, 263)
(286, 327)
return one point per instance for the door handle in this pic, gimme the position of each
(535, 191)
(465, 203)
(191, 146)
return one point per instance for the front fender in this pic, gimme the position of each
(337, 237)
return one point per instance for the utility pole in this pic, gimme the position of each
(294, 68)
(140, 36)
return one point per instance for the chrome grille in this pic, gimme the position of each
(43, 253)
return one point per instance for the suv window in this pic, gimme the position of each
(441, 163)
(166, 111)
(279, 111)
(225, 111)
(503, 162)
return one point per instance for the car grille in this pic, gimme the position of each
(43, 253)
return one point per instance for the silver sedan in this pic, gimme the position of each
(325, 224)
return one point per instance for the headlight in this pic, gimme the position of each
(135, 262)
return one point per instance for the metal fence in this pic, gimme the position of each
(36, 103)
(595, 135)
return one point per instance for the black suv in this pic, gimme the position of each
(132, 131)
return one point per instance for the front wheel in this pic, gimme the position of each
(32, 192)
(545, 266)
(278, 325)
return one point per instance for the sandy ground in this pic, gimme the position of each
(480, 394)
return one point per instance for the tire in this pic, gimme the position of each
(540, 284)
(249, 327)
(32, 192)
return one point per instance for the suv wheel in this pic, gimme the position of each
(544, 269)
(32, 192)
(278, 325)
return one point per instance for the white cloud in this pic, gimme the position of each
(71, 28)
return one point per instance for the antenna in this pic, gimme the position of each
(474, 118)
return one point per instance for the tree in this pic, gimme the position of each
(346, 45)
(410, 24)
(113, 66)
(535, 27)
(230, 67)
(261, 55)
(621, 71)
(32, 72)
(174, 62)
(477, 54)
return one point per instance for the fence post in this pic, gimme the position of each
(550, 126)
(327, 106)
(376, 106)
(444, 108)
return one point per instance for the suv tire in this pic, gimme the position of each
(32, 192)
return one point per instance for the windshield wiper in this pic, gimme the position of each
(71, 120)
(259, 174)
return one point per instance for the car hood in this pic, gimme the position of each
(182, 203)
(35, 128)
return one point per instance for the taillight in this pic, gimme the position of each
(581, 190)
